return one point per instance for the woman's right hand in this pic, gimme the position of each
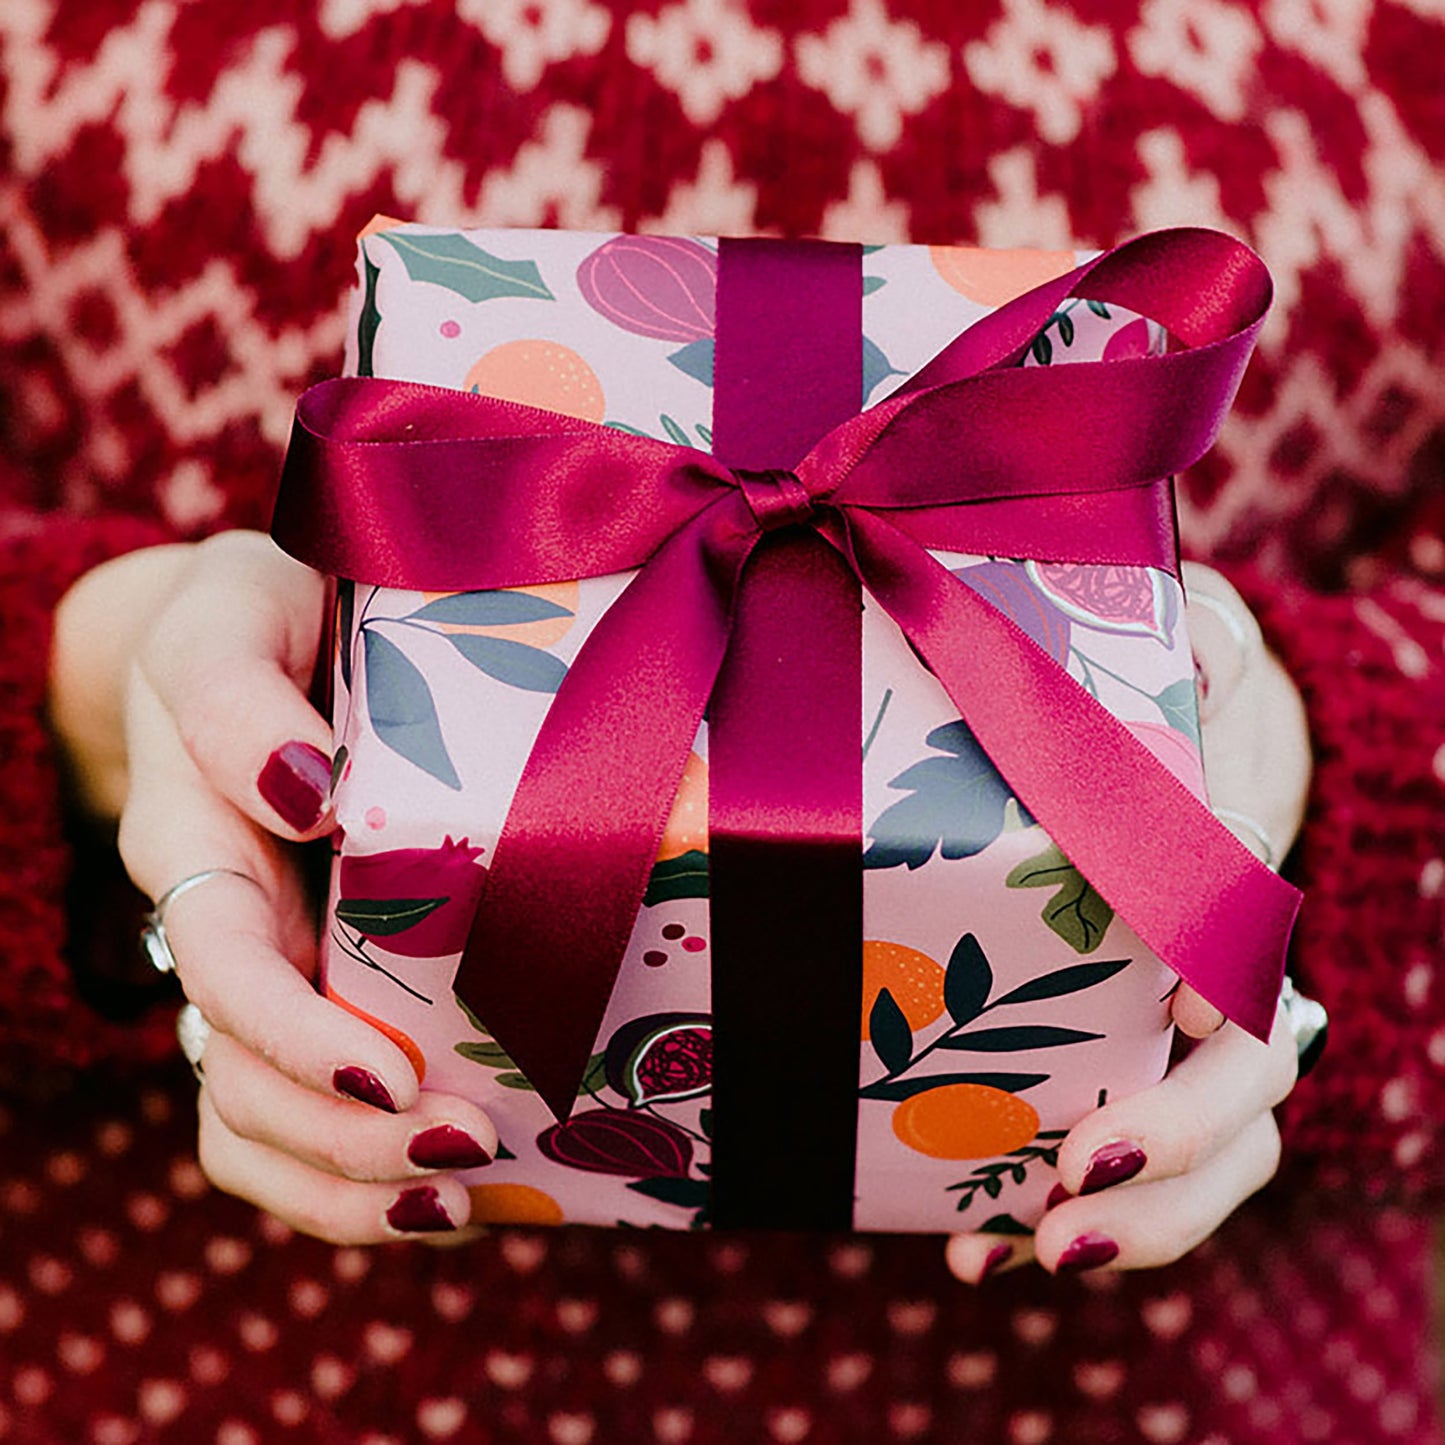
(178, 680)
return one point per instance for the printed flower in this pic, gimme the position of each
(657, 286)
(416, 902)
(610, 1141)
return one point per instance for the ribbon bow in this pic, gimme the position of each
(414, 486)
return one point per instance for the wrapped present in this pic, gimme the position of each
(645, 543)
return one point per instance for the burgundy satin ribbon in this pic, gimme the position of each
(421, 487)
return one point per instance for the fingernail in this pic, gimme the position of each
(419, 1211)
(1088, 1251)
(294, 782)
(1112, 1164)
(363, 1086)
(995, 1259)
(446, 1147)
(1057, 1195)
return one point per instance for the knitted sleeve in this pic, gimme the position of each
(1371, 859)
(63, 896)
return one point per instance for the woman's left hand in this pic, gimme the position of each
(1150, 1177)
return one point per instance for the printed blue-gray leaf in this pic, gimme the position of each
(452, 261)
(955, 805)
(514, 663)
(695, 360)
(876, 366)
(489, 609)
(1180, 705)
(402, 712)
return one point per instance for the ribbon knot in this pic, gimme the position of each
(776, 498)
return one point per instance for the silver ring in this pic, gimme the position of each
(1308, 1022)
(1252, 826)
(193, 1033)
(153, 941)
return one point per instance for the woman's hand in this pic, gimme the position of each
(1146, 1178)
(177, 691)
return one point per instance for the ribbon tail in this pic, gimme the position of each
(572, 864)
(1191, 891)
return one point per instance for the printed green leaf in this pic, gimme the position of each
(402, 712)
(674, 431)
(695, 360)
(514, 663)
(489, 609)
(1003, 1224)
(369, 319)
(1180, 705)
(503, 1152)
(704, 1122)
(872, 283)
(1066, 328)
(1098, 308)
(956, 805)
(1076, 912)
(688, 1193)
(682, 877)
(896, 1089)
(967, 980)
(515, 1081)
(889, 1031)
(487, 1052)
(594, 1077)
(1023, 1036)
(382, 917)
(345, 617)
(1043, 349)
(1074, 979)
(338, 766)
(452, 261)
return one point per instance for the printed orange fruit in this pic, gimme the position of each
(687, 823)
(533, 634)
(965, 1121)
(993, 277)
(404, 1042)
(539, 373)
(512, 1204)
(914, 980)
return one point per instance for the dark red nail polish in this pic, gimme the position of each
(1088, 1251)
(995, 1259)
(295, 781)
(444, 1146)
(1057, 1195)
(419, 1211)
(1112, 1164)
(363, 1086)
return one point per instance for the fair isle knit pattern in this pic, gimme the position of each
(182, 180)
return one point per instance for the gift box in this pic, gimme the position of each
(643, 543)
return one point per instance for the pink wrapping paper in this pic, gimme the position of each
(438, 700)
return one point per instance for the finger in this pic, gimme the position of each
(244, 950)
(339, 1137)
(229, 660)
(974, 1258)
(1185, 1120)
(1223, 635)
(1156, 1223)
(1194, 1015)
(342, 1211)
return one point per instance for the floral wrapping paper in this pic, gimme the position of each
(1003, 999)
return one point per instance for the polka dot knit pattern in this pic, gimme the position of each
(179, 189)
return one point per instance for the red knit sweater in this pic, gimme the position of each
(180, 188)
